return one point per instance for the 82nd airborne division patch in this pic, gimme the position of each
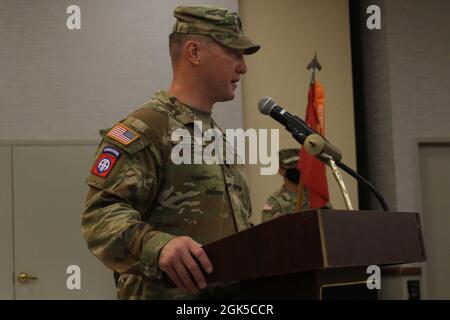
(106, 161)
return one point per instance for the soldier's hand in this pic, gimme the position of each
(178, 258)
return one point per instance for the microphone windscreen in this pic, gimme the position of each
(266, 105)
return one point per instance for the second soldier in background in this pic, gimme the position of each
(284, 200)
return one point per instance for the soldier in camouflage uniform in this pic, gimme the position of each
(144, 214)
(285, 199)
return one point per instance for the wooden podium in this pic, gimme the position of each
(319, 254)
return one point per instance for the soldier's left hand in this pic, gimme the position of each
(178, 258)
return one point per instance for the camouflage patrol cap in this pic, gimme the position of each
(221, 24)
(289, 157)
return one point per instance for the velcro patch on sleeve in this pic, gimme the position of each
(106, 161)
(267, 207)
(123, 134)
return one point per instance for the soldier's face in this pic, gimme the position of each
(222, 71)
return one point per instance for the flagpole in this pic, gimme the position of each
(313, 66)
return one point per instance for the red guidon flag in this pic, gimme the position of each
(313, 176)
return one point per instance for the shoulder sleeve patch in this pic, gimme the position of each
(123, 134)
(106, 161)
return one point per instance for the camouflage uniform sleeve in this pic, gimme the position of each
(271, 209)
(113, 222)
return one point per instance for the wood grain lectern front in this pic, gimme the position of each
(319, 254)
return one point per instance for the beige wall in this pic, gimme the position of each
(289, 32)
(75, 82)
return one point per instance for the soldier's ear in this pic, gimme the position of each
(282, 171)
(192, 51)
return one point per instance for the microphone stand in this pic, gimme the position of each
(340, 181)
(300, 137)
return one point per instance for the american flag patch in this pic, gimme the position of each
(123, 134)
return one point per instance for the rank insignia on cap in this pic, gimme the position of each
(104, 164)
(123, 134)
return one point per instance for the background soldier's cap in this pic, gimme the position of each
(289, 158)
(221, 24)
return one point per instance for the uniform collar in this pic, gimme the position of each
(180, 111)
(284, 189)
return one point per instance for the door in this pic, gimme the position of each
(6, 225)
(434, 160)
(49, 190)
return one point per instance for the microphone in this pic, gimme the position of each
(292, 123)
(313, 142)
